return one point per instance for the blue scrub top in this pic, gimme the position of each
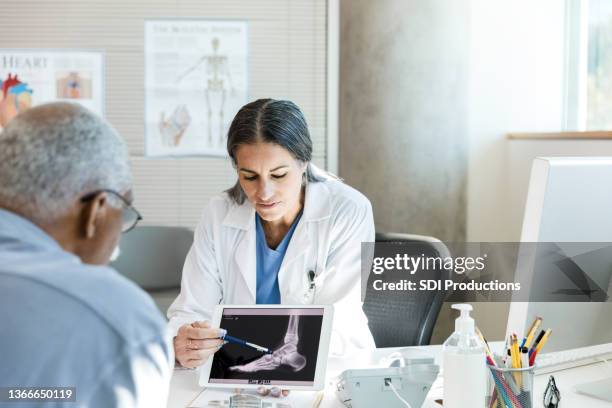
(268, 264)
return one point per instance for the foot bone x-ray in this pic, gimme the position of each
(286, 354)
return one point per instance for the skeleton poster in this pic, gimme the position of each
(32, 77)
(195, 82)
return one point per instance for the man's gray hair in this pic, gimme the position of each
(53, 154)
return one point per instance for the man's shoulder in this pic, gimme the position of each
(119, 303)
(101, 294)
(82, 327)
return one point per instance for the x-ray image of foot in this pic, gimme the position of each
(286, 354)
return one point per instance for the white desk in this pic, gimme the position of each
(184, 387)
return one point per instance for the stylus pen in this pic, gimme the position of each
(236, 340)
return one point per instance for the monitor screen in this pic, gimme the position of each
(292, 336)
(568, 213)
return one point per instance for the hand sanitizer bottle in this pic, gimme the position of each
(464, 369)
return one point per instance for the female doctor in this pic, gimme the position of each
(285, 233)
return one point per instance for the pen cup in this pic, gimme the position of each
(510, 387)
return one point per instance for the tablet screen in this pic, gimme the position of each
(291, 334)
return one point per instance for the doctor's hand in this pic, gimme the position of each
(195, 343)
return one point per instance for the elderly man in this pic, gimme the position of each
(65, 319)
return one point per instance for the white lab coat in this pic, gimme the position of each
(221, 265)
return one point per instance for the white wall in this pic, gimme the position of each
(515, 84)
(516, 72)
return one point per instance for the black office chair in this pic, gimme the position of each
(403, 318)
(153, 257)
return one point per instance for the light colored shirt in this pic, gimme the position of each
(65, 323)
(268, 264)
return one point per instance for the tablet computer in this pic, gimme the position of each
(287, 347)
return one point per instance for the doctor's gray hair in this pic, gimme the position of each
(53, 154)
(271, 121)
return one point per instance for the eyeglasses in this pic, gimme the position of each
(130, 215)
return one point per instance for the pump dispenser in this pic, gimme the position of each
(464, 369)
(464, 323)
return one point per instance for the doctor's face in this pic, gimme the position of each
(271, 178)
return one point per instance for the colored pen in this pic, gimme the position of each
(506, 351)
(532, 331)
(236, 340)
(516, 358)
(534, 345)
(524, 357)
(543, 340)
(516, 354)
(541, 343)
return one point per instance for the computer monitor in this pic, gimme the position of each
(569, 202)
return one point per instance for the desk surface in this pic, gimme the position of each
(184, 387)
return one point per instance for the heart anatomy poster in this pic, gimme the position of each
(32, 77)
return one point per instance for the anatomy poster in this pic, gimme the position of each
(195, 82)
(31, 77)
